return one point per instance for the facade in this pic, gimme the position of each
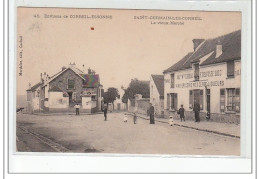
(209, 75)
(157, 93)
(62, 91)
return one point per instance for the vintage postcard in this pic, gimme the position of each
(128, 81)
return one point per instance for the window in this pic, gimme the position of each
(173, 101)
(230, 99)
(71, 84)
(230, 69)
(93, 98)
(172, 80)
(196, 72)
(222, 100)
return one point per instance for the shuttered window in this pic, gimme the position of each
(230, 69)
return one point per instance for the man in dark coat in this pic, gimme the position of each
(196, 109)
(181, 112)
(105, 112)
(151, 113)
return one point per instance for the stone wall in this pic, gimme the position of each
(62, 82)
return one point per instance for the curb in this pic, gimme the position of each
(195, 128)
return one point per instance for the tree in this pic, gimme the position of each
(110, 95)
(136, 87)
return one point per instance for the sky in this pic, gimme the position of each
(118, 49)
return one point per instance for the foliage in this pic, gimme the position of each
(136, 87)
(110, 95)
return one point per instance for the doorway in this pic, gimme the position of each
(208, 99)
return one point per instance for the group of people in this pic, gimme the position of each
(151, 113)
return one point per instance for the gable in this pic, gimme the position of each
(159, 83)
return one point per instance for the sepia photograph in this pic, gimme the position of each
(121, 81)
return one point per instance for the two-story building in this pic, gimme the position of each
(62, 91)
(157, 93)
(211, 76)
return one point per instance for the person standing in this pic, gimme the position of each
(77, 109)
(181, 112)
(105, 113)
(196, 109)
(151, 113)
(135, 118)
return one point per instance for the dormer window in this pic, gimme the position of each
(196, 72)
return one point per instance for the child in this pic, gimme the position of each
(181, 112)
(135, 118)
(171, 121)
(125, 118)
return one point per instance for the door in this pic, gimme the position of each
(196, 94)
(208, 100)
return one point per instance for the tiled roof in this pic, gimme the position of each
(231, 50)
(159, 83)
(33, 88)
(184, 63)
(91, 80)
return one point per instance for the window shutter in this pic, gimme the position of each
(230, 69)
(237, 100)
(168, 101)
(222, 100)
(201, 99)
(191, 99)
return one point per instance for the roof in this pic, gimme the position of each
(184, 63)
(90, 80)
(74, 69)
(55, 89)
(231, 50)
(33, 88)
(159, 83)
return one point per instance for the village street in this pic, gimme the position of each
(90, 133)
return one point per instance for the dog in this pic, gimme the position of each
(19, 110)
(171, 121)
(125, 118)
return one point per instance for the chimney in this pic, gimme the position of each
(89, 71)
(218, 50)
(63, 68)
(196, 43)
(30, 85)
(41, 78)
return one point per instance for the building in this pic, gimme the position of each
(62, 91)
(210, 75)
(157, 93)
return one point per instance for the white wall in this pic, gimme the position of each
(56, 100)
(184, 82)
(155, 97)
